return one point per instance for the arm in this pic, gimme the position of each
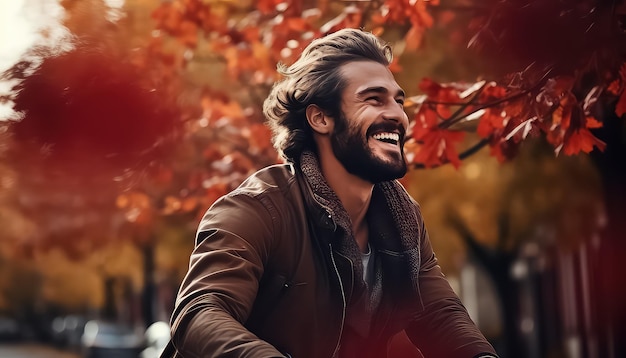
(443, 328)
(232, 244)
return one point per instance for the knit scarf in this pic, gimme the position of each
(397, 202)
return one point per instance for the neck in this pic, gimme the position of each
(353, 192)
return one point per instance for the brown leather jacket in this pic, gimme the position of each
(264, 281)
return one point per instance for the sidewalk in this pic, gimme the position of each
(13, 350)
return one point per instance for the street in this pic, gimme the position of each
(33, 351)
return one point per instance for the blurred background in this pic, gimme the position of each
(122, 121)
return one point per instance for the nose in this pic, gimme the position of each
(394, 112)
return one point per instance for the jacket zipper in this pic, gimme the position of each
(343, 297)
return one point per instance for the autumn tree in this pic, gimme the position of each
(180, 138)
(553, 70)
(85, 117)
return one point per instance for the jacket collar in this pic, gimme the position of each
(390, 199)
(321, 201)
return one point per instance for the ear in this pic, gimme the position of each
(318, 120)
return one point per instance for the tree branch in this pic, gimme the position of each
(482, 253)
(504, 229)
(456, 116)
(453, 119)
(468, 152)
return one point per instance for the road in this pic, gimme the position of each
(32, 351)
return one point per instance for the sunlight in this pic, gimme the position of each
(115, 9)
(24, 23)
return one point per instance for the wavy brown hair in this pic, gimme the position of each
(315, 78)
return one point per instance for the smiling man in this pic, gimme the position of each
(327, 255)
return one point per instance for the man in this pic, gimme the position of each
(326, 256)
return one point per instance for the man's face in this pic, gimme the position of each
(368, 138)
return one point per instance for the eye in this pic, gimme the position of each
(373, 99)
(400, 101)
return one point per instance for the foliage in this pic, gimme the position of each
(556, 83)
(129, 112)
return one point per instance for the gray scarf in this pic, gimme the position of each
(394, 199)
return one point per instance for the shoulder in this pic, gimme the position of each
(263, 197)
(273, 178)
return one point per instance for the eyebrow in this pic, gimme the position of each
(379, 89)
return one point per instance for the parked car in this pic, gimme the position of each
(103, 339)
(157, 336)
(9, 330)
(67, 331)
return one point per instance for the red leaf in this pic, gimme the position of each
(562, 116)
(503, 150)
(267, 6)
(522, 129)
(490, 121)
(620, 107)
(614, 87)
(438, 147)
(429, 87)
(425, 120)
(492, 92)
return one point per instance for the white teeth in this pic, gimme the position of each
(388, 136)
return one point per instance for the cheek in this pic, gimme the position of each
(356, 131)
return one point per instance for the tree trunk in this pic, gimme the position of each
(149, 288)
(611, 292)
(109, 311)
(497, 264)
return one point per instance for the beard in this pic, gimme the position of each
(352, 151)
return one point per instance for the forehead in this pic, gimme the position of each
(360, 75)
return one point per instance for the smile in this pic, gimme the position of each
(387, 137)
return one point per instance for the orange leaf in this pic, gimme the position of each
(591, 122)
(379, 19)
(421, 16)
(378, 31)
(353, 18)
(562, 116)
(188, 33)
(258, 135)
(297, 24)
(172, 205)
(189, 204)
(582, 140)
(413, 38)
(267, 6)
(395, 66)
(122, 201)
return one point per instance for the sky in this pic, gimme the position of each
(21, 26)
